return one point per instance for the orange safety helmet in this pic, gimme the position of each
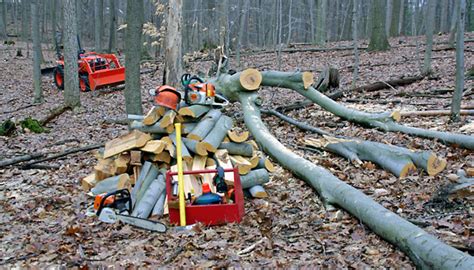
(167, 96)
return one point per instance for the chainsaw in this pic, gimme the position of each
(117, 205)
(198, 92)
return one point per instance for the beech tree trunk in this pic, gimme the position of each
(425, 250)
(457, 95)
(174, 54)
(3, 20)
(133, 46)
(378, 38)
(36, 51)
(112, 26)
(430, 19)
(98, 24)
(72, 96)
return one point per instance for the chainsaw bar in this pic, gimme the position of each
(109, 215)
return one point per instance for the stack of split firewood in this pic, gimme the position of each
(140, 159)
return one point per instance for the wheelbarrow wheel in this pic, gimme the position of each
(84, 83)
(58, 75)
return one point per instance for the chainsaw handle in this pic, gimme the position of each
(121, 194)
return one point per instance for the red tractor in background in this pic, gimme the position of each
(95, 70)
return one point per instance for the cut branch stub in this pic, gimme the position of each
(308, 79)
(250, 79)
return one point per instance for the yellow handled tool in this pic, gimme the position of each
(182, 206)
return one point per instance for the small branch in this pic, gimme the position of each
(65, 153)
(292, 121)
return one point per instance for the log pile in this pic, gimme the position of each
(139, 160)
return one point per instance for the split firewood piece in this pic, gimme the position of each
(145, 206)
(161, 157)
(194, 111)
(121, 163)
(154, 146)
(253, 144)
(254, 161)
(168, 119)
(89, 182)
(240, 149)
(258, 191)
(210, 162)
(169, 145)
(105, 168)
(250, 79)
(265, 163)
(223, 159)
(205, 125)
(148, 173)
(184, 151)
(154, 129)
(134, 139)
(136, 162)
(189, 183)
(237, 135)
(199, 163)
(112, 184)
(212, 141)
(399, 161)
(158, 208)
(241, 163)
(254, 177)
(470, 172)
(153, 115)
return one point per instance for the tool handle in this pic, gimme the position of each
(120, 194)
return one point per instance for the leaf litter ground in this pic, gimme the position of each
(43, 219)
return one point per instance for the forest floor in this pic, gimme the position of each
(43, 219)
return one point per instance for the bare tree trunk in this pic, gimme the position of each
(71, 79)
(430, 18)
(289, 23)
(454, 23)
(321, 35)
(133, 46)
(224, 25)
(280, 29)
(388, 16)
(378, 37)
(113, 26)
(3, 20)
(355, 25)
(457, 95)
(243, 16)
(174, 55)
(36, 51)
(444, 27)
(311, 18)
(98, 24)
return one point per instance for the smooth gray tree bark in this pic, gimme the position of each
(71, 79)
(3, 20)
(378, 38)
(133, 46)
(321, 35)
(36, 51)
(98, 24)
(174, 53)
(355, 37)
(457, 95)
(430, 19)
(112, 26)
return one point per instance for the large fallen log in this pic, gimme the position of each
(425, 250)
(382, 121)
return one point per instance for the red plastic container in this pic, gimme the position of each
(213, 214)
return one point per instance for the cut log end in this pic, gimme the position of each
(396, 116)
(269, 165)
(435, 165)
(238, 137)
(250, 79)
(308, 79)
(407, 170)
(202, 148)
